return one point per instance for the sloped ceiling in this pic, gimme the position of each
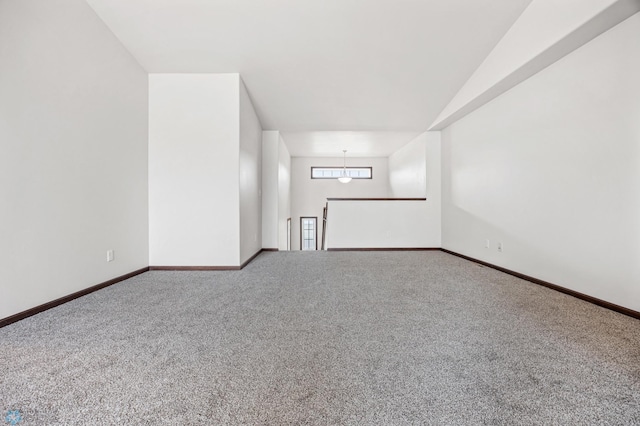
(330, 65)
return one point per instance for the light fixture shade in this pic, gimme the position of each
(344, 178)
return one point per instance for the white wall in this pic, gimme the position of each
(415, 172)
(308, 196)
(250, 178)
(284, 192)
(545, 32)
(270, 181)
(434, 189)
(552, 170)
(381, 224)
(408, 169)
(194, 204)
(73, 168)
(276, 190)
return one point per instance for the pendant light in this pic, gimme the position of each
(343, 177)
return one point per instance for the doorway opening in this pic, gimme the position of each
(308, 233)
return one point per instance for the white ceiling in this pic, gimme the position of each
(321, 65)
(357, 144)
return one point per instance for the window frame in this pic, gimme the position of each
(315, 218)
(342, 168)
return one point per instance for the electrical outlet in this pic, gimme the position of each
(487, 244)
(109, 255)
(500, 247)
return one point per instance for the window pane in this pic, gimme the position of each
(336, 172)
(308, 233)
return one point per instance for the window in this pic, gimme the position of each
(336, 172)
(308, 233)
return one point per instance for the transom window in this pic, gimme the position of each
(336, 172)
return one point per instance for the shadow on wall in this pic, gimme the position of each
(520, 255)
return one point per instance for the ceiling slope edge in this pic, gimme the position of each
(521, 54)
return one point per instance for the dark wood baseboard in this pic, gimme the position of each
(256, 254)
(45, 306)
(41, 308)
(585, 297)
(209, 268)
(193, 268)
(376, 199)
(270, 249)
(385, 249)
(30, 312)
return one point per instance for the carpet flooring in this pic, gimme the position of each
(324, 338)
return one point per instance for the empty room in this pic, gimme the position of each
(334, 212)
